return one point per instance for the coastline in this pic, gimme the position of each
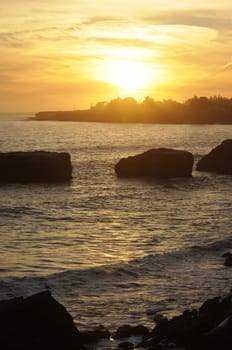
(197, 110)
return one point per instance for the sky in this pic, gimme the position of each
(71, 54)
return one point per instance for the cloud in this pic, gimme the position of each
(51, 45)
(219, 20)
(227, 66)
(28, 37)
(165, 28)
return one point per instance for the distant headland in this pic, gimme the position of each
(196, 110)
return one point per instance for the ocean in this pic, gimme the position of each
(115, 251)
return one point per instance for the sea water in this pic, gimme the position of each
(115, 251)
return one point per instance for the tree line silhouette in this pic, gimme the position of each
(196, 110)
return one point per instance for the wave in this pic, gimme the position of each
(65, 282)
(216, 246)
(18, 211)
(131, 273)
(134, 290)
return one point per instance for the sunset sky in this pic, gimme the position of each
(69, 54)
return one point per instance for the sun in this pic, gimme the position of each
(129, 76)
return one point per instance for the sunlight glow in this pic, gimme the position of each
(129, 76)
(133, 77)
(89, 52)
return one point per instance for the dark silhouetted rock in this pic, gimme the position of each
(38, 322)
(157, 163)
(123, 332)
(38, 166)
(217, 338)
(126, 346)
(95, 335)
(220, 337)
(228, 259)
(140, 330)
(210, 327)
(227, 254)
(219, 160)
(128, 331)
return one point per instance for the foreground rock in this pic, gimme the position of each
(210, 327)
(126, 331)
(219, 160)
(38, 166)
(158, 163)
(38, 322)
(95, 335)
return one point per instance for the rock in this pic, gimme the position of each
(218, 160)
(210, 307)
(123, 332)
(226, 255)
(38, 166)
(222, 332)
(38, 322)
(196, 329)
(157, 317)
(219, 337)
(157, 163)
(228, 261)
(128, 331)
(152, 343)
(140, 330)
(126, 346)
(95, 335)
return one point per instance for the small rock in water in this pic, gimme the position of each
(140, 330)
(37, 166)
(127, 331)
(159, 163)
(123, 332)
(95, 335)
(218, 160)
(228, 261)
(125, 346)
(226, 255)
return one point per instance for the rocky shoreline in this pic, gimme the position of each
(41, 322)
